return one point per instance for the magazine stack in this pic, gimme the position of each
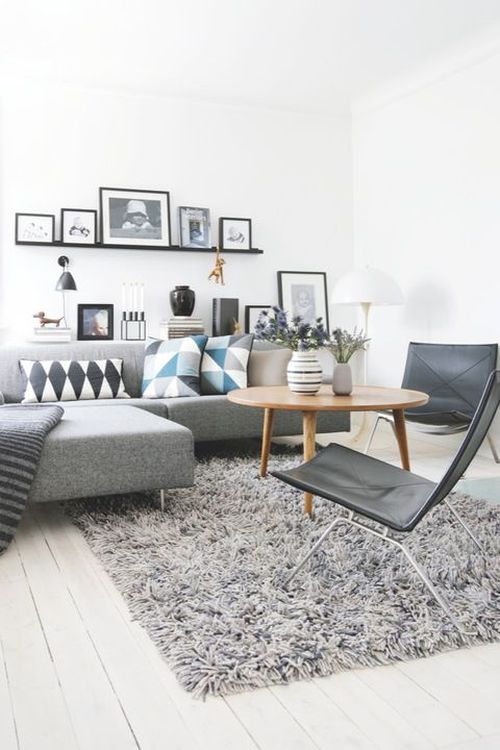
(180, 326)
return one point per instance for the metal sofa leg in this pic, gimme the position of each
(493, 448)
(162, 500)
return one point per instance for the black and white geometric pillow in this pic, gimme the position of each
(72, 380)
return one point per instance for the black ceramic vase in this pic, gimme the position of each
(182, 300)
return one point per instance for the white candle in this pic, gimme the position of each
(141, 298)
(135, 298)
(124, 297)
(130, 298)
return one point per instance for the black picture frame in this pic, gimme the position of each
(238, 244)
(249, 309)
(33, 240)
(79, 238)
(289, 300)
(87, 311)
(143, 236)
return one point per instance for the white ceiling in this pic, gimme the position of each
(306, 55)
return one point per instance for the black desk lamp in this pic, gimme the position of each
(65, 283)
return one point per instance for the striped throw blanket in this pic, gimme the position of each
(22, 433)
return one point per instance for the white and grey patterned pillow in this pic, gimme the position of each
(224, 364)
(72, 380)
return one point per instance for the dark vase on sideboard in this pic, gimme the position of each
(182, 300)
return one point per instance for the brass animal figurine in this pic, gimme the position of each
(217, 273)
(47, 321)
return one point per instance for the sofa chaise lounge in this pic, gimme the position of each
(109, 446)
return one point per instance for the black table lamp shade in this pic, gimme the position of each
(66, 281)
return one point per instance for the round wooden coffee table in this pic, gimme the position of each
(362, 398)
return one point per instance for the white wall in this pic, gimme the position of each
(290, 173)
(426, 176)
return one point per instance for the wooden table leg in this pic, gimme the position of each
(267, 434)
(309, 422)
(400, 425)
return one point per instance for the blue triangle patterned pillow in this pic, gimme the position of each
(172, 368)
(224, 364)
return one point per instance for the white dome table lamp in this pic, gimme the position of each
(366, 287)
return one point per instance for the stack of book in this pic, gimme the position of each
(180, 326)
(51, 335)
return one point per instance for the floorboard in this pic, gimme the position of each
(77, 672)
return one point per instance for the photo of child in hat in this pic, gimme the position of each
(135, 218)
(138, 218)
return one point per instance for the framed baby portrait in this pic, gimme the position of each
(303, 294)
(235, 234)
(79, 225)
(136, 218)
(95, 322)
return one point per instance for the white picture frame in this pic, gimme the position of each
(194, 227)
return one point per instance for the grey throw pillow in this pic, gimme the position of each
(268, 367)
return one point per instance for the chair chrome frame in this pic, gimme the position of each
(385, 535)
(451, 430)
(314, 476)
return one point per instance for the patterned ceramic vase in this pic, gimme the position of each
(304, 373)
(342, 379)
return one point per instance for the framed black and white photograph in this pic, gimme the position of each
(252, 313)
(194, 227)
(79, 225)
(34, 228)
(95, 322)
(304, 293)
(135, 217)
(235, 234)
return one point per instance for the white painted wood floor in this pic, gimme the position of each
(76, 672)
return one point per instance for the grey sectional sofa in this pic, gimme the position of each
(109, 446)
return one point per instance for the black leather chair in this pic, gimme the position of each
(396, 500)
(454, 376)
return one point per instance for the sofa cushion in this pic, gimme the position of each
(152, 405)
(172, 368)
(111, 451)
(72, 380)
(224, 364)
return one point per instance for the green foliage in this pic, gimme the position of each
(344, 344)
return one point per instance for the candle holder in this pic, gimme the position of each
(133, 326)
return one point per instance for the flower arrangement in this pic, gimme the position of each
(296, 334)
(343, 344)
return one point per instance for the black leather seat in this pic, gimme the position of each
(397, 499)
(454, 377)
(363, 484)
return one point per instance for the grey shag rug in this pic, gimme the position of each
(204, 579)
